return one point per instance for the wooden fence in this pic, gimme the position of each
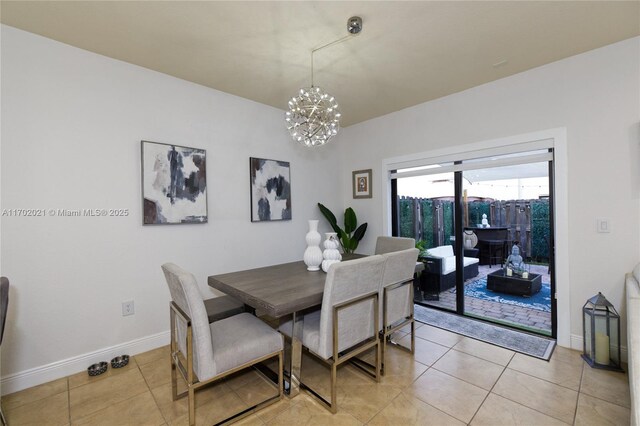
(431, 220)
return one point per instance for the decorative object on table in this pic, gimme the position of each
(313, 255)
(352, 234)
(514, 265)
(313, 116)
(361, 183)
(601, 334)
(470, 239)
(485, 222)
(270, 190)
(174, 184)
(97, 369)
(120, 361)
(331, 254)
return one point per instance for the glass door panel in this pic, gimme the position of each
(507, 233)
(426, 212)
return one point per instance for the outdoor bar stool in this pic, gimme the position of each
(204, 353)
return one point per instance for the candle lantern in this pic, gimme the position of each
(601, 333)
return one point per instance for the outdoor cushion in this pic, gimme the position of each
(440, 252)
(240, 339)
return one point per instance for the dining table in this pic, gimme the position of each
(279, 291)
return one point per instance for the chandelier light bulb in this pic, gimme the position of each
(313, 117)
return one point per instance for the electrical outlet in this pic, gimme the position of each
(128, 308)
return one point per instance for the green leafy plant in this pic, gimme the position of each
(351, 235)
(422, 246)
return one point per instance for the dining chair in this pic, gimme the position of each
(206, 352)
(396, 293)
(391, 244)
(347, 323)
(4, 307)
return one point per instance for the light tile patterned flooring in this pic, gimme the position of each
(451, 380)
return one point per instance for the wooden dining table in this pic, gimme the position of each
(279, 291)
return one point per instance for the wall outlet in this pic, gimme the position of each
(603, 225)
(128, 308)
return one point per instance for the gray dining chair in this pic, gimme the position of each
(396, 293)
(4, 307)
(391, 244)
(347, 323)
(213, 351)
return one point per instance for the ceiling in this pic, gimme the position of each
(408, 52)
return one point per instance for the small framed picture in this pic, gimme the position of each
(362, 184)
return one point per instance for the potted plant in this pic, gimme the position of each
(351, 235)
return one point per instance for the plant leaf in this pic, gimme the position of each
(359, 233)
(331, 218)
(350, 221)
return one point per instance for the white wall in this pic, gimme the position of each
(72, 122)
(595, 96)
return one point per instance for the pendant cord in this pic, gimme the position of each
(340, 40)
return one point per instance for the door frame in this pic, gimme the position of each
(551, 138)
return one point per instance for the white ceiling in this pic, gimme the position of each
(408, 53)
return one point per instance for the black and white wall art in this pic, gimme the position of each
(174, 184)
(270, 190)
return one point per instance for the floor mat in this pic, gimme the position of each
(528, 344)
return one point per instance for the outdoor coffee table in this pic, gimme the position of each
(499, 281)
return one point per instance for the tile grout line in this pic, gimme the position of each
(491, 390)
(575, 412)
(531, 408)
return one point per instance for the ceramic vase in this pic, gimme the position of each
(331, 254)
(313, 255)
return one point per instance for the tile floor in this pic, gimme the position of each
(451, 380)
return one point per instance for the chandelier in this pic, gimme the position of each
(314, 116)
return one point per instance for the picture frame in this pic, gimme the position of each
(270, 188)
(361, 183)
(174, 184)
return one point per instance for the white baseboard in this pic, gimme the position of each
(46, 373)
(577, 343)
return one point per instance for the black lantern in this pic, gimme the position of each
(601, 332)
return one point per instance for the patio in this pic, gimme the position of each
(513, 315)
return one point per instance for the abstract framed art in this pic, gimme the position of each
(362, 183)
(270, 182)
(174, 184)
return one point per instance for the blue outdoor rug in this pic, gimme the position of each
(540, 301)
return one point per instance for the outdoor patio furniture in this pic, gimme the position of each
(499, 281)
(440, 269)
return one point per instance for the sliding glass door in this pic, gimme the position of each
(485, 227)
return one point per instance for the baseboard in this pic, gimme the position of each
(577, 343)
(46, 373)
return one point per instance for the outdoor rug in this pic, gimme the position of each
(541, 301)
(517, 341)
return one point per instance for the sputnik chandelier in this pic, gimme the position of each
(314, 116)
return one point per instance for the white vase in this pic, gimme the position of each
(313, 255)
(331, 254)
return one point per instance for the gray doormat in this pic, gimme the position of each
(528, 344)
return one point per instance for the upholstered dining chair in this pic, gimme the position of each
(391, 244)
(396, 293)
(347, 323)
(214, 351)
(4, 307)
